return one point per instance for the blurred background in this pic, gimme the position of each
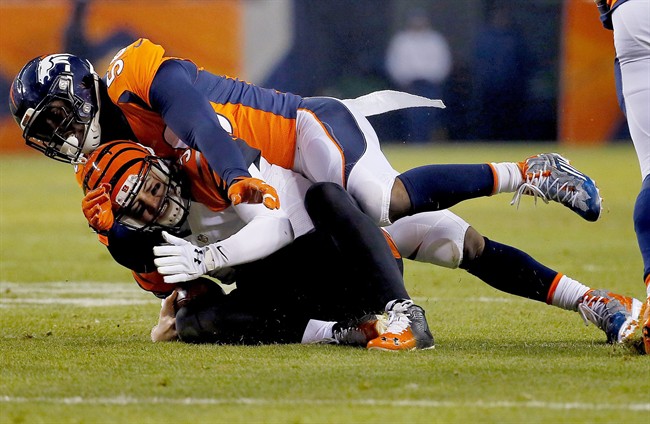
(508, 70)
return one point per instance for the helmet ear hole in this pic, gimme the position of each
(26, 117)
(88, 81)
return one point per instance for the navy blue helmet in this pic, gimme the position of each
(55, 101)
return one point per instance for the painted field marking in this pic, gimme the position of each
(125, 400)
(101, 294)
(83, 293)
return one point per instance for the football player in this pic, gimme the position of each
(630, 21)
(146, 194)
(139, 201)
(170, 103)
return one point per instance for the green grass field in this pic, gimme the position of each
(74, 328)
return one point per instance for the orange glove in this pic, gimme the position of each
(253, 190)
(96, 206)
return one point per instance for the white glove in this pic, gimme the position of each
(182, 261)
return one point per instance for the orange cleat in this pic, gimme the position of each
(407, 328)
(394, 341)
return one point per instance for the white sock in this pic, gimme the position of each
(567, 293)
(508, 177)
(318, 331)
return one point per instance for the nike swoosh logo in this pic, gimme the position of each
(221, 251)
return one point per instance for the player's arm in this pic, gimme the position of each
(190, 116)
(133, 249)
(181, 260)
(266, 231)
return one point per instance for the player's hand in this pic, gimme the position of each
(165, 330)
(181, 260)
(96, 206)
(253, 190)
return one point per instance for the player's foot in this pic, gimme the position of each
(616, 315)
(551, 177)
(407, 328)
(358, 332)
(641, 339)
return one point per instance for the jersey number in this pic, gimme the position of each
(114, 71)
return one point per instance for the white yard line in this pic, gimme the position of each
(84, 302)
(125, 400)
(79, 293)
(101, 294)
(71, 287)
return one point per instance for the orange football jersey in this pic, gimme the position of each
(263, 118)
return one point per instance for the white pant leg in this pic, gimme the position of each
(631, 23)
(319, 158)
(433, 237)
(372, 178)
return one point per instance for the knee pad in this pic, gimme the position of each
(432, 237)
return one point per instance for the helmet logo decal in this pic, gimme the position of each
(125, 190)
(49, 63)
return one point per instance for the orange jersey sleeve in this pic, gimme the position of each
(153, 282)
(128, 78)
(264, 118)
(205, 185)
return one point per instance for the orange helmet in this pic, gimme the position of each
(145, 193)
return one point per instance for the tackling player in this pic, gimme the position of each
(170, 103)
(436, 237)
(630, 21)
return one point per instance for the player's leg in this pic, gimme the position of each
(360, 243)
(214, 317)
(632, 43)
(513, 271)
(339, 145)
(257, 318)
(642, 229)
(447, 240)
(364, 252)
(548, 176)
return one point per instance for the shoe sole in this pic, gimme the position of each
(401, 350)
